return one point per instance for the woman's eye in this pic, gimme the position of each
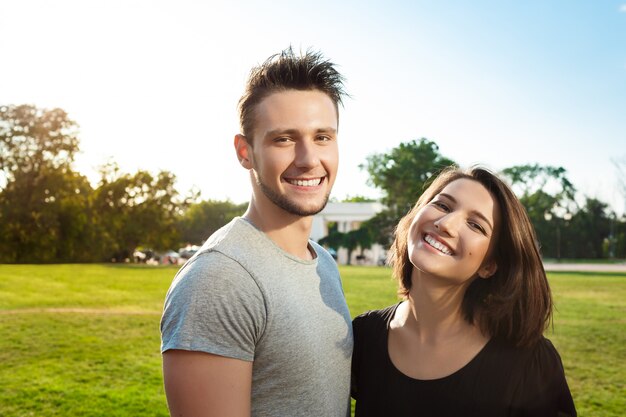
(477, 226)
(440, 205)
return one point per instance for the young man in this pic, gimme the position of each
(256, 322)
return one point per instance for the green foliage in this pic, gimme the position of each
(139, 209)
(584, 235)
(357, 199)
(202, 219)
(49, 213)
(83, 340)
(563, 229)
(32, 139)
(46, 217)
(402, 174)
(362, 238)
(530, 178)
(548, 196)
(44, 206)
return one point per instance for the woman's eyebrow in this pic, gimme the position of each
(474, 212)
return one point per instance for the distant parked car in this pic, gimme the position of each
(143, 255)
(188, 251)
(170, 258)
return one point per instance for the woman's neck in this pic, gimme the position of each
(428, 336)
(434, 310)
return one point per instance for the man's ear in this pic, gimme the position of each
(244, 151)
(487, 270)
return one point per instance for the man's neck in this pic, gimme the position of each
(289, 231)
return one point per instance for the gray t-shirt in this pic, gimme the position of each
(243, 297)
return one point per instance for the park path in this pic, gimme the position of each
(620, 267)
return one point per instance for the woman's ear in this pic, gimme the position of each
(487, 270)
(244, 151)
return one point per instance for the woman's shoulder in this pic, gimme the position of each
(375, 317)
(544, 384)
(545, 359)
(537, 356)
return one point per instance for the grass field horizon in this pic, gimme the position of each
(83, 340)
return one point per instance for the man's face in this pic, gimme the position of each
(294, 150)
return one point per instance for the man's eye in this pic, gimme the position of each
(282, 139)
(323, 138)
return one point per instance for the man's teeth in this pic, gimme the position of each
(306, 183)
(440, 247)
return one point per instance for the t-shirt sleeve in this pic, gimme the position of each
(544, 390)
(215, 306)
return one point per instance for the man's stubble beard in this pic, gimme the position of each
(287, 205)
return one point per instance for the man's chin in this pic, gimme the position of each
(303, 210)
(298, 208)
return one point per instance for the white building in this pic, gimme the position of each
(348, 216)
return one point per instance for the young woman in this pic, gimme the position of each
(468, 338)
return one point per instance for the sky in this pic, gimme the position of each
(154, 85)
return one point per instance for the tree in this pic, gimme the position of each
(46, 217)
(588, 231)
(402, 174)
(364, 237)
(350, 242)
(548, 196)
(531, 178)
(137, 210)
(334, 238)
(201, 219)
(361, 238)
(357, 199)
(33, 138)
(44, 205)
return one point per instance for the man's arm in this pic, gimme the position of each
(199, 384)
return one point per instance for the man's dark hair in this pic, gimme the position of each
(287, 71)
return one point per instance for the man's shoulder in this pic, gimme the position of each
(236, 240)
(235, 232)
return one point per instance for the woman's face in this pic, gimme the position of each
(451, 236)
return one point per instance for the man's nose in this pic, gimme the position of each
(307, 155)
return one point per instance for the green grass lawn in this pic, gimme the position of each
(83, 340)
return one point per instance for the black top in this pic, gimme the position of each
(501, 380)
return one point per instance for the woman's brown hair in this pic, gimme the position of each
(515, 303)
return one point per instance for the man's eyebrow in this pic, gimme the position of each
(474, 212)
(278, 132)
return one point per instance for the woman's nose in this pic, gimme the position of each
(448, 224)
